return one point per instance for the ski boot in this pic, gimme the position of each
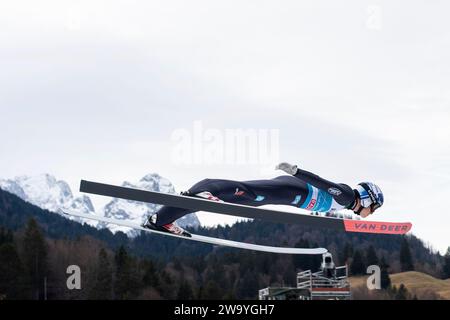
(208, 195)
(172, 228)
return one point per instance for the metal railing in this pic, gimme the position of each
(308, 279)
(315, 285)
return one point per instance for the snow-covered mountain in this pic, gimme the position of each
(138, 211)
(46, 192)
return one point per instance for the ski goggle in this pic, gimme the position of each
(371, 200)
(375, 206)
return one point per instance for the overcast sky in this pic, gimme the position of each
(358, 90)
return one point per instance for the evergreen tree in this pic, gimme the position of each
(371, 258)
(402, 293)
(303, 261)
(35, 258)
(185, 291)
(385, 279)
(166, 285)
(248, 286)
(102, 289)
(392, 291)
(211, 291)
(216, 271)
(150, 278)
(446, 266)
(357, 266)
(9, 237)
(10, 272)
(177, 264)
(2, 236)
(229, 296)
(6, 236)
(125, 284)
(406, 262)
(346, 253)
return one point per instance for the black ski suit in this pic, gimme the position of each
(303, 190)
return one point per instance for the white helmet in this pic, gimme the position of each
(370, 195)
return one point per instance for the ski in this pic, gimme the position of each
(198, 204)
(204, 239)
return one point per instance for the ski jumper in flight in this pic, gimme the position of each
(300, 188)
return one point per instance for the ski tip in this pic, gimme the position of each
(408, 225)
(376, 227)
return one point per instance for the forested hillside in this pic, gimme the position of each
(37, 246)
